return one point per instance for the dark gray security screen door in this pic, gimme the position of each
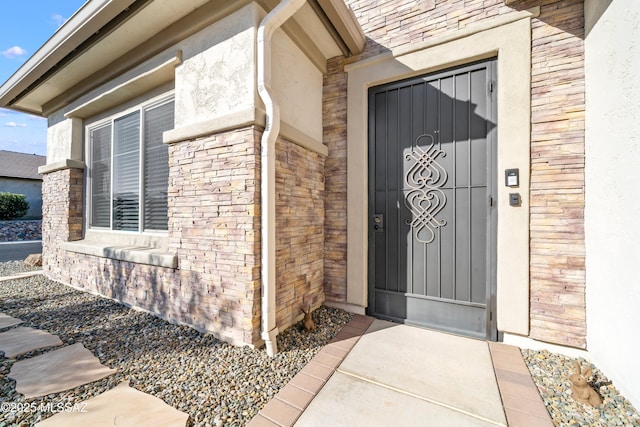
(431, 197)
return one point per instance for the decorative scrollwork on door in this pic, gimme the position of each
(426, 199)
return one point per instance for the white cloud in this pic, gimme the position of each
(14, 51)
(58, 19)
(15, 125)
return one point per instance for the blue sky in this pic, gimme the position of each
(25, 26)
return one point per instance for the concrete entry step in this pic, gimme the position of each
(8, 321)
(23, 340)
(121, 406)
(57, 370)
(358, 402)
(448, 370)
(439, 376)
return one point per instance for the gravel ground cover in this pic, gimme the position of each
(215, 383)
(551, 371)
(15, 267)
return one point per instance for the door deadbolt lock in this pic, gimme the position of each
(378, 223)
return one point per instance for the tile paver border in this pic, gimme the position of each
(287, 406)
(522, 403)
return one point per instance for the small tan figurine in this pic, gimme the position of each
(308, 322)
(581, 390)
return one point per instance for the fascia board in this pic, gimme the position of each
(345, 24)
(92, 16)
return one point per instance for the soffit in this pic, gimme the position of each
(143, 25)
(150, 26)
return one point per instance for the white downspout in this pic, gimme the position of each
(270, 23)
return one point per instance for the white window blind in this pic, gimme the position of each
(126, 169)
(101, 176)
(156, 170)
(130, 170)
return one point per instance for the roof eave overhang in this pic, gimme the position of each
(345, 24)
(96, 18)
(91, 17)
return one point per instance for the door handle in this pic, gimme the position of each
(378, 223)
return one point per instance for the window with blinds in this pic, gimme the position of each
(130, 170)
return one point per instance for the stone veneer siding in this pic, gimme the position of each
(62, 198)
(299, 231)
(334, 111)
(213, 227)
(557, 144)
(557, 175)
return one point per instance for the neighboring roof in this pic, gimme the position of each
(104, 38)
(20, 165)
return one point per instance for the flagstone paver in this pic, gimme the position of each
(23, 340)
(8, 321)
(121, 406)
(57, 370)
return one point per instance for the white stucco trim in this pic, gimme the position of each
(351, 308)
(241, 119)
(132, 88)
(140, 248)
(300, 138)
(61, 165)
(236, 120)
(532, 344)
(509, 38)
(136, 254)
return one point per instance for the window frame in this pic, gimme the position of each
(109, 120)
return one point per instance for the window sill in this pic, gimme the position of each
(137, 254)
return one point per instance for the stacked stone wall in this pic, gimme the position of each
(214, 227)
(557, 174)
(300, 220)
(214, 223)
(334, 110)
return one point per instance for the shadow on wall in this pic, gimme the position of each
(174, 295)
(573, 27)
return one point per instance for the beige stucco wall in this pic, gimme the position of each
(60, 138)
(612, 234)
(297, 85)
(217, 76)
(509, 38)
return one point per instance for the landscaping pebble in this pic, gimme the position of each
(551, 371)
(214, 382)
(13, 231)
(12, 268)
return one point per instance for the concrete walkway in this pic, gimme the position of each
(392, 374)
